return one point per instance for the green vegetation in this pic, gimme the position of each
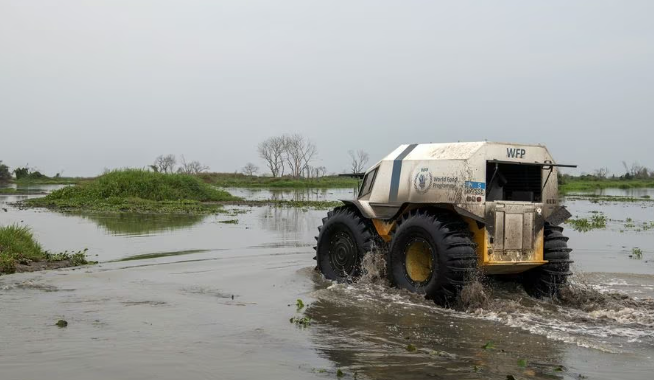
(572, 184)
(595, 198)
(299, 304)
(411, 348)
(250, 181)
(8, 190)
(61, 323)
(5, 174)
(488, 346)
(229, 221)
(30, 176)
(637, 253)
(301, 321)
(585, 225)
(51, 181)
(18, 246)
(139, 191)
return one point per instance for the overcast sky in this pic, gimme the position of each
(87, 85)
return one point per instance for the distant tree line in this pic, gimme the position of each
(5, 174)
(20, 173)
(631, 171)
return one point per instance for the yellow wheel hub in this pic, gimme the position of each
(418, 261)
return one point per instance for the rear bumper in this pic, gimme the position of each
(509, 267)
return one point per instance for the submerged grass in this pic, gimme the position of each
(595, 198)
(241, 180)
(18, 246)
(134, 190)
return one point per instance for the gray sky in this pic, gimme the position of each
(87, 85)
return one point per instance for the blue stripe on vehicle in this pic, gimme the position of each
(397, 169)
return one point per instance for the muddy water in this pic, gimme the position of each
(171, 315)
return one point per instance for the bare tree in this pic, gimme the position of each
(636, 170)
(250, 169)
(299, 153)
(192, 167)
(358, 160)
(272, 151)
(164, 164)
(319, 171)
(601, 173)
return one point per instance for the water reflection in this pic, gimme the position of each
(293, 194)
(615, 192)
(141, 224)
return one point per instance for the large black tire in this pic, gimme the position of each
(448, 242)
(546, 280)
(344, 238)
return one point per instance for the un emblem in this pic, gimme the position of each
(422, 181)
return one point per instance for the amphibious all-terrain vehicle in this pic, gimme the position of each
(444, 212)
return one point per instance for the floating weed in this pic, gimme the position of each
(61, 323)
(522, 363)
(585, 224)
(411, 348)
(299, 304)
(339, 373)
(488, 346)
(229, 221)
(301, 321)
(636, 253)
(76, 258)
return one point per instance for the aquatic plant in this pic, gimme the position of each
(585, 224)
(637, 253)
(18, 246)
(229, 221)
(301, 321)
(488, 346)
(134, 190)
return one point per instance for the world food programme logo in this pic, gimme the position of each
(423, 180)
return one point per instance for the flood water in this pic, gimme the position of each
(203, 299)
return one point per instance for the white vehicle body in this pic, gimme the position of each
(506, 192)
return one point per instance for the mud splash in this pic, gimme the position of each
(583, 315)
(373, 269)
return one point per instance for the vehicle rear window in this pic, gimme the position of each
(513, 182)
